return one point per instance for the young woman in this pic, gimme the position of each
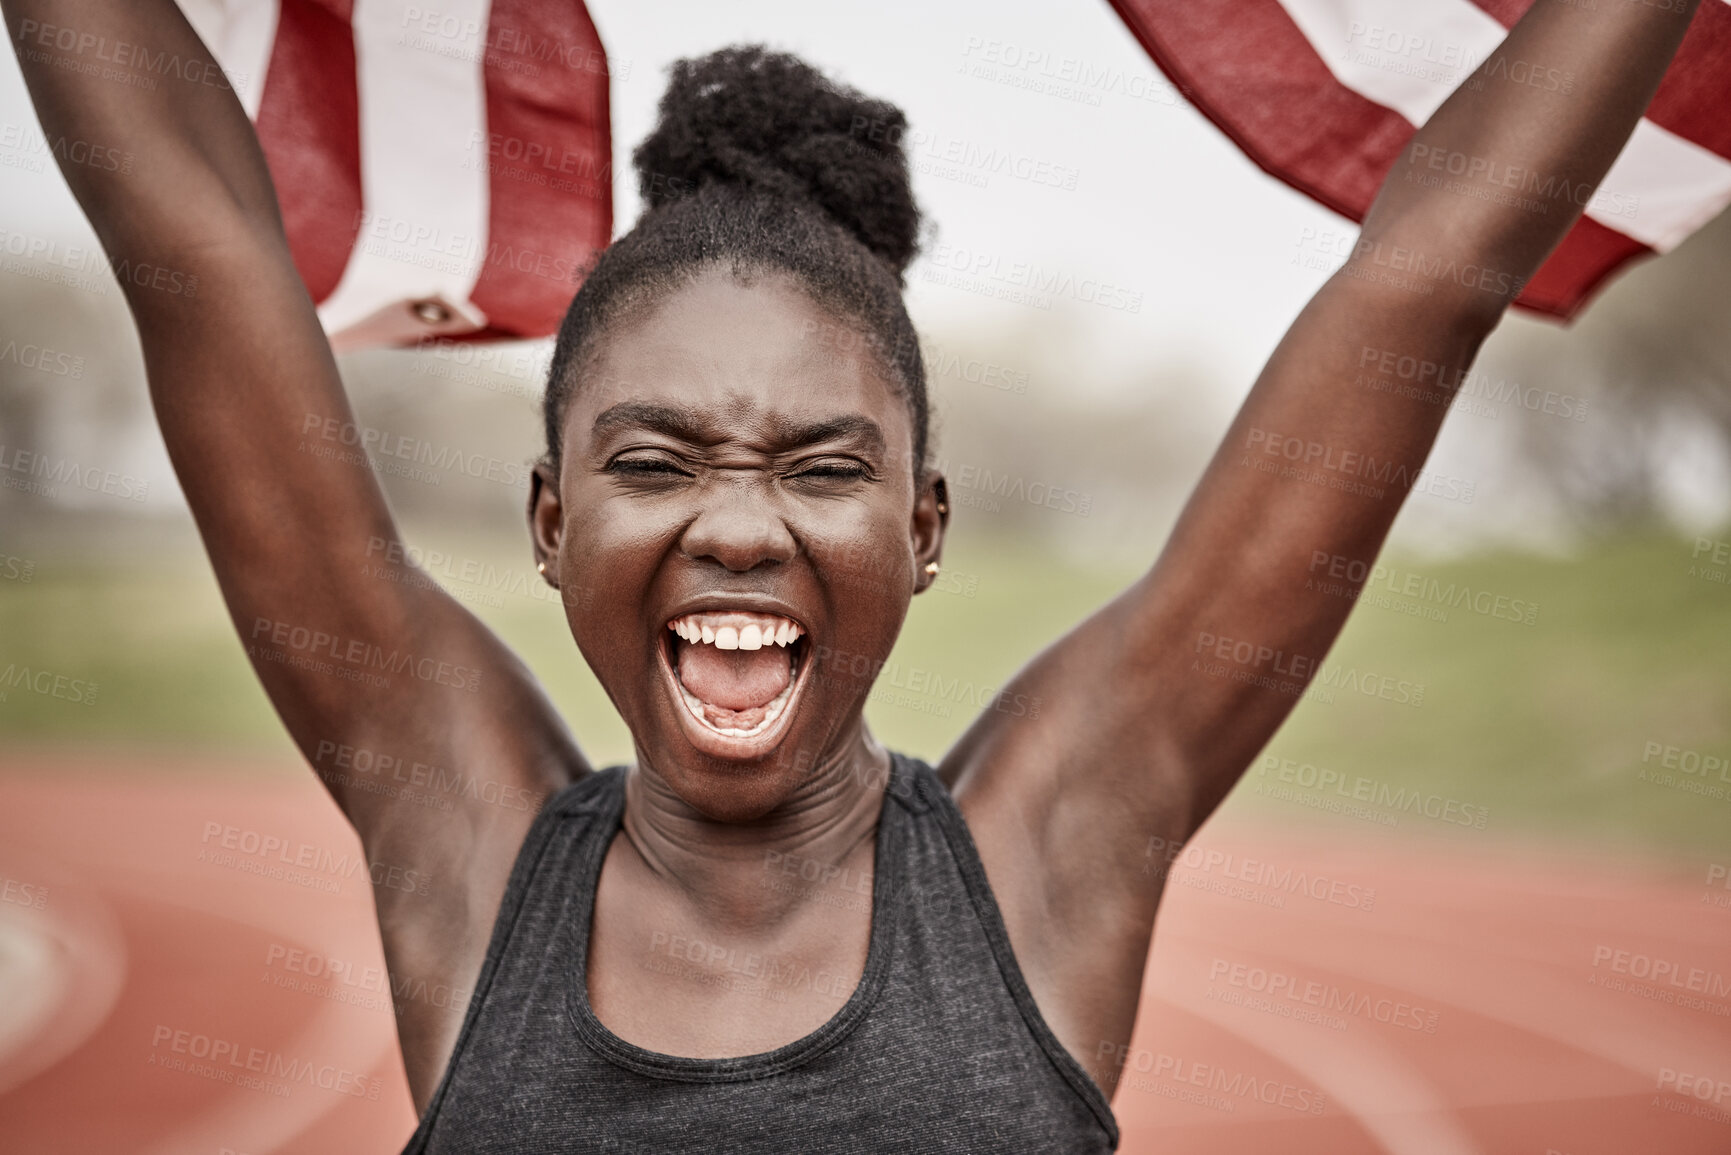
(769, 933)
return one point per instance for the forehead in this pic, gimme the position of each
(763, 353)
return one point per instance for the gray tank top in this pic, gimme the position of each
(939, 1048)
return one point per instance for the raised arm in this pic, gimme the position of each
(1153, 707)
(431, 736)
(1222, 634)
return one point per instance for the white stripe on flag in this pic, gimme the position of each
(209, 18)
(1409, 56)
(239, 33)
(247, 47)
(423, 180)
(1669, 185)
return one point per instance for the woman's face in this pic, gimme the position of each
(736, 531)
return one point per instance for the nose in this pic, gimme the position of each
(738, 524)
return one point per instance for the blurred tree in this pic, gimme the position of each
(1653, 358)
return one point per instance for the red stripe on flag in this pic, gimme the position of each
(1691, 101)
(549, 153)
(1250, 70)
(309, 127)
(1579, 268)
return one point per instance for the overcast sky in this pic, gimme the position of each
(1160, 206)
(1115, 182)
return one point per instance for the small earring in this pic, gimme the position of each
(932, 568)
(541, 568)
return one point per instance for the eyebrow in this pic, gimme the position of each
(689, 425)
(675, 421)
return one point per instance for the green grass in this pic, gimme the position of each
(1544, 726)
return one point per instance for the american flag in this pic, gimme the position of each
(443, 168)
(1325, 95)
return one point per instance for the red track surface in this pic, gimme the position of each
(1476, 1005)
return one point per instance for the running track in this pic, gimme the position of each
(1477, 1005)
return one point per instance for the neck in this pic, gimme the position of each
(721, 867)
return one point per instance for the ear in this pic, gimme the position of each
(546, 519)
(930, 521)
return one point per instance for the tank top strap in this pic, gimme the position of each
(908, 786)
(593, 793)
(935, 799)
(587, 799)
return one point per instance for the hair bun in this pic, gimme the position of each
(745, 116)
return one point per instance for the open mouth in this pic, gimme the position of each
(737, 673)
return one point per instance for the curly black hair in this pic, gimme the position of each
(760, 163)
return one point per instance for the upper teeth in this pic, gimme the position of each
(732, 631)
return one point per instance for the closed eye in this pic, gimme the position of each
(645, 466)
(831, 471)
(834, 470)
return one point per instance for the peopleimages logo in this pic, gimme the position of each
(1202, 868)
(1032, 277)
(47, 683)
(304, 648)
(255, 1068)
(1239, 1085)
(1316, 459)
(369, 440)
(43, 359)
(42, 475)
(1668, 972)
(975, 485)
(1307, 780)
(1326, 997)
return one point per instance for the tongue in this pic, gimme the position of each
(735, 679)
